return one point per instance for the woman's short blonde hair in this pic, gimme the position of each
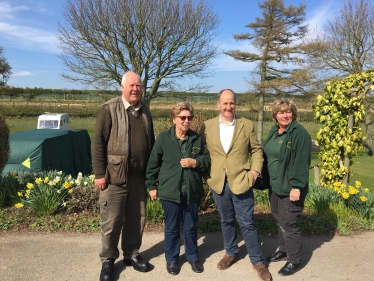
(281, 105)
(179, 107)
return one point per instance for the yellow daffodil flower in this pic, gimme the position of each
(67, 184)
(18, 205)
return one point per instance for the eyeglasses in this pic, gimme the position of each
(183, 118)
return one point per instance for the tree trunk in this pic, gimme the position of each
(260, 118)
(369, 133)
(347, 159)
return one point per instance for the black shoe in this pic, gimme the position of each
(172, 268)
(278, 256)
(196, 266)
(107, 271)
(289, 269)
(137, 263)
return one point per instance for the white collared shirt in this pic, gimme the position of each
(226, 132)
(133, 110)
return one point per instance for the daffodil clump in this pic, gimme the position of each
(356, 197)
(49, 192)
(336, 138)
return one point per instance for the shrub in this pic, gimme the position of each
(84, 198)
(4, 144)
(155, 213)
(10, 186)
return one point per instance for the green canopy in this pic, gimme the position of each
(68, 151)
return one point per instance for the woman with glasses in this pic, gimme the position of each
(174, 176)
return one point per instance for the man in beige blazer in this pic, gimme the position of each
(236, 160)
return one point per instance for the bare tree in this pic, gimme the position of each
(5, 69)
(161, 40)
(346, 46)
(275, 39)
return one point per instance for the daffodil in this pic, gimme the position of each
(67, 184)
(358, 184)
(28, 191)
(366, 190)
(363, 199)
(29, 185)
(352, 190)
(18, 205)
(38, 181)
(46, 179)
(345, 195)
(19, 194)
(70, 191)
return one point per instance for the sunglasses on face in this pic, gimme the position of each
(183, 118)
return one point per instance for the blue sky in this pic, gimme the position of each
(28, 30)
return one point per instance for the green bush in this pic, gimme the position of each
(84, 198)
(154, 213)
(4, 144)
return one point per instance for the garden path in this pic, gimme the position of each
(74, 256)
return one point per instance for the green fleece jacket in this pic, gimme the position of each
(293, 163)
(164, 171)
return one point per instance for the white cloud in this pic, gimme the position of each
(320, 15)
(7, 11)
(29, 38)
(22, 73)
(19, 33)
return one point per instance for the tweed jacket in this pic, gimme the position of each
(244, 154)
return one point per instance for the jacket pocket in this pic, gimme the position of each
(116, 170)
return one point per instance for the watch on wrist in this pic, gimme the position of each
(296, 189)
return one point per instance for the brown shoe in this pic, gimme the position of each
(262, 271)
(226, 262)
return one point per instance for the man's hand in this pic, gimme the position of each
(255, 176)
(101, 183)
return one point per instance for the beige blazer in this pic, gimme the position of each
(244, 154)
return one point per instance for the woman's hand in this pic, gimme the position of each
(188, 162)
(294, 195)
(153, 194)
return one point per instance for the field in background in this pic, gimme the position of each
(362, 168)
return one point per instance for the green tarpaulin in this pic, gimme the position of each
(68, 151)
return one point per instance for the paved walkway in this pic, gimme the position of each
(74, 257)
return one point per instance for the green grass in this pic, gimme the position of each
(363, 167)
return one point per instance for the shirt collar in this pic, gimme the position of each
(227, 124)
(128, 105)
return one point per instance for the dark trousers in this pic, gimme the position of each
(175, 215)
(287, 214)
(122, 210)
(229, 204)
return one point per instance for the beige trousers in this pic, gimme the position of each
(122, 211)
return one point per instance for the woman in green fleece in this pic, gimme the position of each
(286, 171)
(174, 176)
